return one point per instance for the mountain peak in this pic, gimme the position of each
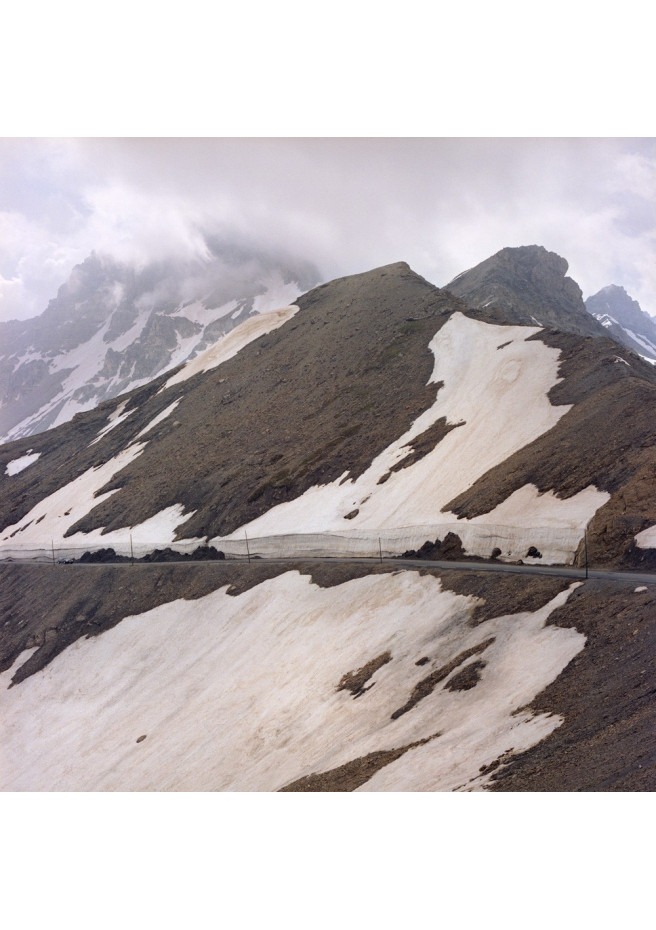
(527, 285)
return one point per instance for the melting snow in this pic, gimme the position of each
(16, 465)
(239, 693)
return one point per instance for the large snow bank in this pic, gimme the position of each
(240, 693)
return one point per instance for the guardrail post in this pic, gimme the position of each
(248, 551)
(585, 540)
(380, 551)
(52, 542)
(131, 551)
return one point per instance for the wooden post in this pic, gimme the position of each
(53, 550)
(131, 550)
(380, 551)
(585, 538)
(248, 551)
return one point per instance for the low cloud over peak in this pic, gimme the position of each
(345, 205)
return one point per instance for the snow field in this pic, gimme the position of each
(232, 343)
(495, 387)
(239, 693)
(51, 517)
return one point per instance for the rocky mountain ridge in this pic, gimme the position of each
(526, 285)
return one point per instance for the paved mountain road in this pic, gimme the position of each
(576, 574)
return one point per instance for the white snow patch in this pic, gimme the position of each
(158, 419)
(638, 590)
(606, 319)
(527, 518)
(239, 693)
(16, 465)
(199, 312)
(117, 416)
(647, 538)
(232, 343)
(277, 294)
(120, 343)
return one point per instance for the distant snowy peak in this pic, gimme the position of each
(113, 328)
(624, 320)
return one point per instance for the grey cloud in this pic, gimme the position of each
(344, 204)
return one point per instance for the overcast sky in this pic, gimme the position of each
(347, 205)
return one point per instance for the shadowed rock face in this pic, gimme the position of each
(526, 285)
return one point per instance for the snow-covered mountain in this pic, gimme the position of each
(383, 406)
(386, 413)
(112, 328)
(624, 320)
